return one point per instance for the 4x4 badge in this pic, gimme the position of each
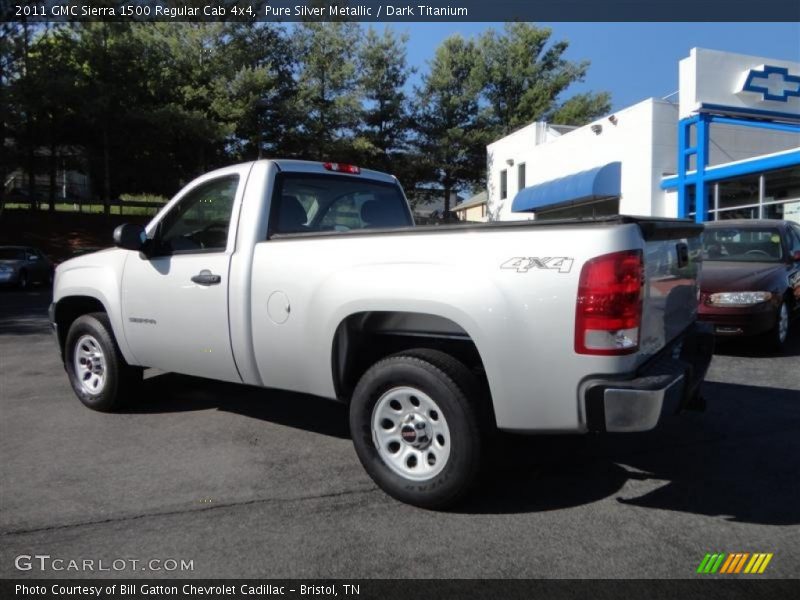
(522, 264)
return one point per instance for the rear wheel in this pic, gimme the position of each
(416, 423)
(99, 375)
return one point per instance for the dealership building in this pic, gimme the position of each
(726, 145)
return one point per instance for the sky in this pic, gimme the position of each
(632, 61)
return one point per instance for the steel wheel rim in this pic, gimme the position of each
(783, 324)
(89, 363)
(411, 433)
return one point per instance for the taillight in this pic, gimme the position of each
(608, 312)
(342, 168)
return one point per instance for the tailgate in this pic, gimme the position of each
(672, 258)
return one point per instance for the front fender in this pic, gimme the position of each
(97, 276)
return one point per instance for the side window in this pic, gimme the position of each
(199, 221)
(794, 239)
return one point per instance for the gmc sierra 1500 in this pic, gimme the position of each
(311, 277)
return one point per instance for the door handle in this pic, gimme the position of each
(206, 277)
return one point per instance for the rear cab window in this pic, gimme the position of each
(316, 203)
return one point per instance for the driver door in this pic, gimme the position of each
(175, 302)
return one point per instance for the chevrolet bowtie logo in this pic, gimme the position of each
(774, 83)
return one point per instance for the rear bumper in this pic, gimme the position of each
(663, 386)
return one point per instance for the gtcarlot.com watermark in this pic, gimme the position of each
(45, 562)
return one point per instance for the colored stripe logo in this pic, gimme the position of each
(734, 563)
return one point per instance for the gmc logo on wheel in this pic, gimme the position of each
(522, 264)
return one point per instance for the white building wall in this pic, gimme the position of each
(629, 141)
(644, 140)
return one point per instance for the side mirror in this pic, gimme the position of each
(32, 257)
(130, 236)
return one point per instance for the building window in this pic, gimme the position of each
(782, 185)
(739, 192)
(782, 194)
(503, 184)
(691, 200)
(520, 176)
(770, 195)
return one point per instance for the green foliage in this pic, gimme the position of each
(142, 108)
(580, 109)
(451, 124)
(385, 127)
(525, 76)
(327, 88)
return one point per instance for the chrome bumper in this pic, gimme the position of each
(663, 386)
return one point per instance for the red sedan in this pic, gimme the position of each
(750, 280)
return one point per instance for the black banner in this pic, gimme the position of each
(397, 10)
(731, 588)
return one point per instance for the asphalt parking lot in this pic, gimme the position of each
(253, 483)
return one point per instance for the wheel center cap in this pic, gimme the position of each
(416, 431)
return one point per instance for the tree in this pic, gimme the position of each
(451, 127)
(11, 36)
(256, 93)
(582, 108)
(327, 88)
(384, 131)
(526, 75)
(54, 99)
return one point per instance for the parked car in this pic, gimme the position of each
(311, 277)
(750, 280)
(23, 266)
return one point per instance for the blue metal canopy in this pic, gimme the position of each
(601, 182)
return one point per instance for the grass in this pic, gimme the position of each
(116, 209)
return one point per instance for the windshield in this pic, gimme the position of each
(743, 244)
(12, 254)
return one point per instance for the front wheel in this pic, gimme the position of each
(99, 375)
(416, 427)
(775, 339)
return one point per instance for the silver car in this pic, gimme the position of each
(23, 266)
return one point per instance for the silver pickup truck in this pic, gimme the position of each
(311, 277)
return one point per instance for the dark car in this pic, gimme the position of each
(22, 266)
(750, 280)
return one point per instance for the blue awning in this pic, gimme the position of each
(602, 182)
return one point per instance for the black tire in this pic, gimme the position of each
(23, 280)
(120, 380)
(772, 339)
(459, 396)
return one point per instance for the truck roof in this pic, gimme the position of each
(308, 166)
